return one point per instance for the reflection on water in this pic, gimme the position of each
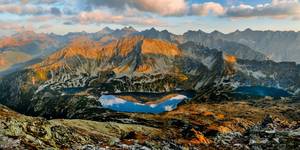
(121, 105)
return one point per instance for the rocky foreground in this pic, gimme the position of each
(260, 124)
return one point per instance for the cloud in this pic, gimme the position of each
(47, 1)
(45, 26)
(55, 11)
(35, 1)
(43, 18)
(6, 1)
(98, 17)
(279, 9)
(207, 8)
(161, 7)
(21, 10)
(25, 7)
(13, 26)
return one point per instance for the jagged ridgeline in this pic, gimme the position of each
(65, 82)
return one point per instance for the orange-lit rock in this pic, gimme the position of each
(78, 47)
(122, 69)
(126, 45)
(220, 116)
(2, 62)
(82, 46)
(33, 80)
(144, 69)
(182, 77)
(153, 46)
(41, 75)
(200, 138)
(219, 129)
(230, 58)
(207, 113)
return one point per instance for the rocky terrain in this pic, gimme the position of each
(264, 124)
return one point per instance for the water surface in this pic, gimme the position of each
(262, 91)
(122, 105)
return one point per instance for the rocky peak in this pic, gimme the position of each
(129, 29)
(106, 30)
(216, 33)
(153, 29)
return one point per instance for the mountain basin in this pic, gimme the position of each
(131, 104)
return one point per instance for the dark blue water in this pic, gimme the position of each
(121, 105)
(262, 91)
(73, 90)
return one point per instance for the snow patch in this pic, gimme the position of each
(109, 100)
(179, 97)
(169, 108)
(256, 74)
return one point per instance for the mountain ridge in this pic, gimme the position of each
(238, 43)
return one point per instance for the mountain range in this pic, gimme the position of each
(26, 48)
(118, 61)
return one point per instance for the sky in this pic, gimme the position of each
(176, 16)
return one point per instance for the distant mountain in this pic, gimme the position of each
(248, 44)
(230, 47)
(207, 40)
(276, 45)
(164, 35)
(26, 46)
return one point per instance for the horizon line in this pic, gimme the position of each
(160, 30)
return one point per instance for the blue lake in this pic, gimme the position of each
(121, 105)
(262, 91)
